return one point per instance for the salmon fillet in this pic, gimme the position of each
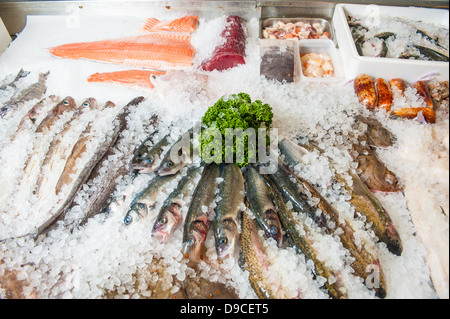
(130, 78)
(186, 24)
(152, 51)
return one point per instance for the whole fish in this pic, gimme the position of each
(177, 156)
(377, 135)
(293, 192)
(101, 197)
(78, 179)
(78, 149)
(60, 145)
(147, 158)
(34, 91)
(198, 216)
(20, 75)
(66, 105)
(33, 115)
(362, 199)
(146, 199)
(261, 204)
(253, 259)
(365, 203)
(373, 172)
(226, 222)
(303, 244)
(364, 258)
(170, 217)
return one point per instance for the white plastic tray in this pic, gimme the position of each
(387, 68)
(321, 46)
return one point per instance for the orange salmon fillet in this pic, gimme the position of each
(152, 51)
(130, 78)
(187, 24)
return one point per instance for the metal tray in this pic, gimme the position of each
(268, 22)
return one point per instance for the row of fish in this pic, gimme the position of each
(216, 198)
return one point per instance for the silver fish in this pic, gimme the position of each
(169, 217)
(197, 221)
(226, 222)
(148, 158)
(146, 199)
(262, 206)
(177, 156)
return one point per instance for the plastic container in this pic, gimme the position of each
(268, 22)
(388, 68)
(5, 39)
(321, 46)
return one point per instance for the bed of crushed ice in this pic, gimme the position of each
(104, 255)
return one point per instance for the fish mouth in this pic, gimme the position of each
(193, 243)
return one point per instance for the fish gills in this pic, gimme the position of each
(198, 216)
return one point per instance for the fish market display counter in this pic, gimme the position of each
(126, 174)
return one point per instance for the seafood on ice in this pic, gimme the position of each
(295, 31)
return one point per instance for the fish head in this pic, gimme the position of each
(145, 163)
(391, 182)
(90, 103)
(193, 241)
(168, 222)
(65, 105)
(137, 212)
(169, 167)
(273, 226)
(227, 236)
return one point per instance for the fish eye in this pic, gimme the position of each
(128, 220)
(170, 164)
(66, 102)
(149, 160)
(86, 104)
(108, 211)
(273, 230)
(162, 221)
(190, 241)
(222, 241)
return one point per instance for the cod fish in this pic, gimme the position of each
(226, 222)
(146, 199)
(79, 178)
(78, 149)
(66, 105)
(373, 172)
(33, 115)
(34, 91)
(177, 156)
(60, 145)
(147, 158)
(253, 259)
(261, 204)
(198, 216)
(170, 218)
(303, 244)
(98, 200)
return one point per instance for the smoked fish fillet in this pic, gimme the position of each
(187, 24)
(152, 51)
(129, 78)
